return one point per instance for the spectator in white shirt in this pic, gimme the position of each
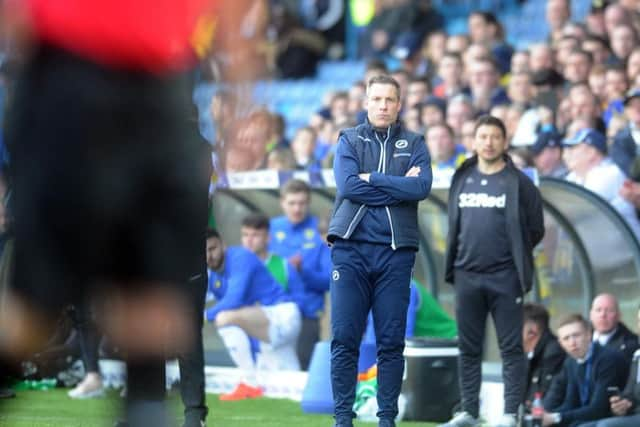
(586, 157)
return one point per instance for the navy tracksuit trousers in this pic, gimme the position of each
(499, 294)
(367, 277)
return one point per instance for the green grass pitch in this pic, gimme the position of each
(54, 409)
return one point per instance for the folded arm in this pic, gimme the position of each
(348, 182)
(408, 188)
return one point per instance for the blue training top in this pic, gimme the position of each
(289, 239)
(244, 281)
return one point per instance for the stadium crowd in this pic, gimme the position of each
(571, 103)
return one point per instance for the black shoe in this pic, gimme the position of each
(386, 423)
(121, 423)
(194, 423)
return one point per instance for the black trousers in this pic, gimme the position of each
(500, 295)
(368, 277)
(191, 362)
(309, 336)
(88, 335)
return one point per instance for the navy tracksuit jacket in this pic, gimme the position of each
(374, 231)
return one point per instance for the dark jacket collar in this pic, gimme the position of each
(393, 128)
(473, 161)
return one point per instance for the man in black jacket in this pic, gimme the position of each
(590, 370)
(544, 354)
(625, 406)
(495, 221)
(608, 330)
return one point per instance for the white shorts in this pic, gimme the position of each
(285, 322)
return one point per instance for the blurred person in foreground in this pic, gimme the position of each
(103, 89)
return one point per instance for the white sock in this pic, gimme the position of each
(237, 343)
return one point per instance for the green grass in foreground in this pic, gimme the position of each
(54, 409)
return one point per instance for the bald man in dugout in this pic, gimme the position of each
(608, 330)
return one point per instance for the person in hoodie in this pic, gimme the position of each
(382, 171)
(495, 221)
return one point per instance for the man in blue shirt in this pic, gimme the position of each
(250, 303)
(382, 171)
(294, 235)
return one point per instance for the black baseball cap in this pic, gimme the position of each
(545, 139)
(632, 94)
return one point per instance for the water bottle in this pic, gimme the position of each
(537, 410)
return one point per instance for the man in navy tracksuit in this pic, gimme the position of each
(382, 171)
(495, 221)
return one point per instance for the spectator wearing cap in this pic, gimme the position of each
(406, 49)
(595, 18)
(433, 110)
(585, 154)
(547, 154)
(627, 142)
